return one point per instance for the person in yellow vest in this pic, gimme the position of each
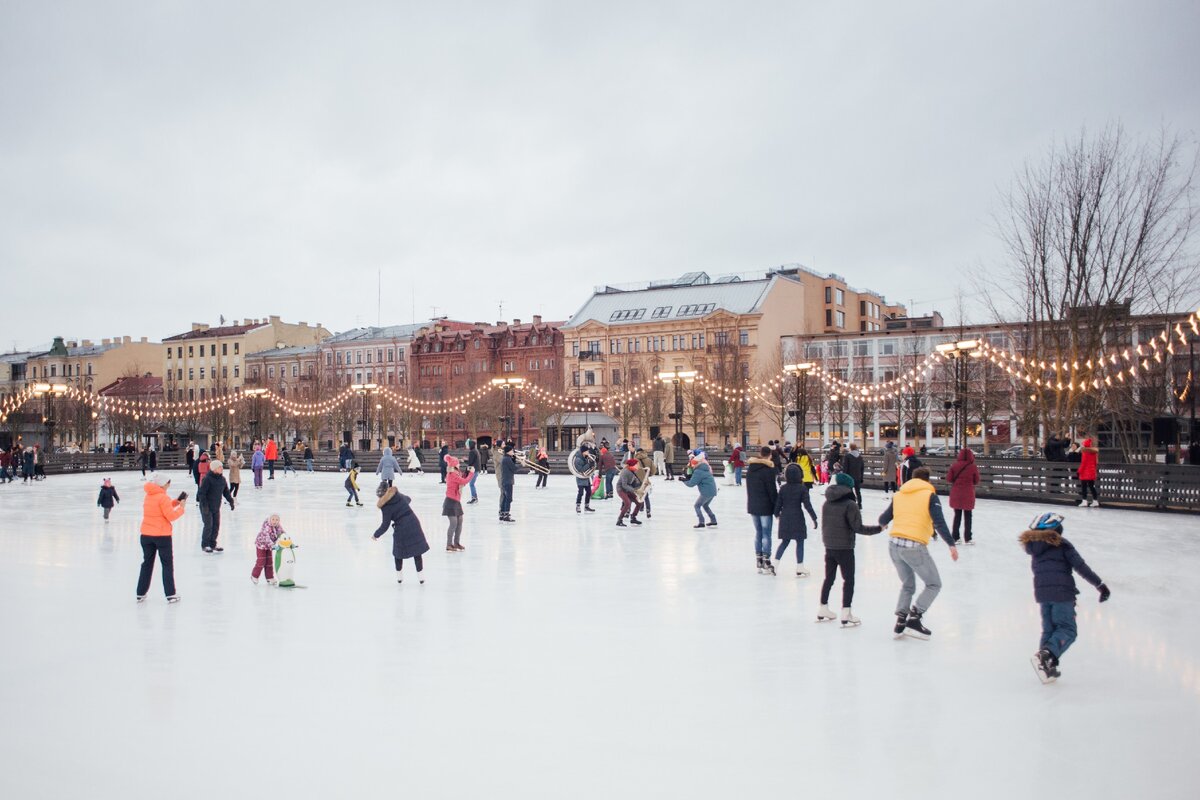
(915, 513)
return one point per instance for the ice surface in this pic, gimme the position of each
(563, 657)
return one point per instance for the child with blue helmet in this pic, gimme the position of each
(1055, 560)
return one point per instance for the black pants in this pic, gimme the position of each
(233, 488)
(443, 472)
(416, 560)
(541, 479)
(1084, 487)
(670, 471)
(833, 560)
(889, 486)
(271, 468)
(212, 525)
(162, 546)
(858, 494)
(959, 516)
(583, 493)
(505, 500)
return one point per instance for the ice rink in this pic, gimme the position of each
(564, 657)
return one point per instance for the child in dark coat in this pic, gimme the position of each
(408, 539)
(108, 497)
(790, 505)
(351, 484)
(1054, 561)
(841, 523)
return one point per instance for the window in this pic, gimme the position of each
(616, 377)
(509, 366)
(224, 372)
(476, 347)
(391, 354)
(168, 354)
(533, 340)
(702, 341)
(191, 392)
(828, 294)
(744, 338)
(368, 356)
(627, 314)
(661, 311)
(224, 348)
(179, 375)
(841, 319)
(862, 308)
(54, 370)
(270, 372)
(201, 392)
(594, 348)
(575, 378)
(358, 357)
(236, 348)
(863, 347)
(379, 355)
(533, 364)
(634, 375)
(191, 351)
(746, 370)
(295, 370)
(695, 310)
(828, 318)
(202, 351)
(841, 297)
(191, 373)
(575, 349)
(339, 358)
(887, 348)
(329, 359)
(589, 378)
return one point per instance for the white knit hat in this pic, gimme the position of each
(160, 478)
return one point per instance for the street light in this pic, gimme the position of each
(254, 395)
(800, 373)
(508, 384)
(49, 391)
(678, 377)
(956, 351)
(364, 389)
(520, 423)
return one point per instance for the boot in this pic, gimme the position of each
(848, 619)
(914, 627)
(1044, 664)
(825, 613)
(588, 507)
(801, 572)
(760, 563)
(712, 523)
(901, 622)
(768, 567)
(577, 509)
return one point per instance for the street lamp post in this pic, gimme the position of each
(800, 373)
(956, 351)
(678, 377)
(520, 424)
(49, 391)
(254, 395)
(508, 385)
(364, 389)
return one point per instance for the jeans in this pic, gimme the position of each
(263, 562)
(505, 499)
(271, 468)
(212, 526)
(352, 495)
(583, 492)
(762, 533)
(162, 546)
(737, 475)
(783, 545)
(670, 470)
(1058, 627)
(959, 516)
(835, 560)
(702, 505)
(474, 494)
(608, 478)
(308, 464)
(911, 563)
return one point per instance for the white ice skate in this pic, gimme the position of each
(848, 619)
(801, 572)
(825, 614)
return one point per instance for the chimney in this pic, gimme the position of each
(302, 324)
(199, 326)
(87, 342)
(126, 340)
(72, 343)
(516, 322)
(143, 340)
(105, 341)
(537, 319)
(273, 318)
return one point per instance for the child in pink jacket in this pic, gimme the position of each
(264, 544)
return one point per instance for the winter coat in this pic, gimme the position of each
(287, 458)
(352, 480)
(761, 489)
(889, 464)
(108, 495)
(1055, 449)
(834, 456)
(647, 464)
(1054, 558)
(455, 481)
(963, 477)
(212, 489)
(388, 465)
(272, 450)
(267, 535)
(1088, 461)
(628, 481)
(202, 467)
(158, 511)
(414, 460)
(235, 469)
(807, 472)
(906, 469)
(343, 454)
(308, 453)
(841, 519)
(702, 479)
(606, 463)
(853, 466)
(408, 539)
(735, 458)
(792, 502)
(473, 459)
(257, 460)
(506, 470)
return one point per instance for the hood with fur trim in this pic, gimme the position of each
(1048, 536)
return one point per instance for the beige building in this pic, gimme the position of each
(88, 365)
(207, 362)
(727, 329)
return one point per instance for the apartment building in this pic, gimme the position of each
(381, 355)
(88, 365)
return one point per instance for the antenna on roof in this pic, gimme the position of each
(501, 310)
(222, 319)
(378, 297)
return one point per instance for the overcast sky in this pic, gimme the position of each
(170, 162)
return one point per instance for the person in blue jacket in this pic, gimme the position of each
(702, 479)
(1055, 560)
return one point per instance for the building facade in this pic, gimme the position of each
(86, 365)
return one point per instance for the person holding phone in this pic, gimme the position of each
(158, 512)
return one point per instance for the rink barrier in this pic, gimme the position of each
(1141, 486)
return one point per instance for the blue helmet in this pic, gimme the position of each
(1046, 522)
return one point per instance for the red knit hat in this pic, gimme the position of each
(633, 462)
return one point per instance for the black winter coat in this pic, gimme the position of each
(108, 494)
(408, 539)
(212, 489)
(852, 465)
(1054, 558)
(841, 519)
(761, 489)
(790, 506)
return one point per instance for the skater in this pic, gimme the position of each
(841, 523)
(344, 457)
(308, 458)
(475, 463)
(833, 459)
(351, 484)
(889, 468)
(793, 500)
(271, 455)
(264, 545)
(108, 496)
(257, 461)
(236, 462)
(735, 461)
(669, 459)
(583, 485)
(202, 465)
(606, 465)
(442, 453)
(660, 454)
(158, 512)
(852, 465)
(408, 540)
(153, 459)
(543, 461)
(414, 460)
(287, 462)
(144, 460)
(627, 486)
(704, 482)
(1053, 561)
(212, 489)
(963, 477)
(1088, 458)
(458, 475)
(808, 474)
(506, 471)
(388, 467)
(916, 513)
(909, 465)
(761, 494)
(644, 471)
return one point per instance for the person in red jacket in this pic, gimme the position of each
(271, 453)
(158, 512)
(963, 477)
(1089, 457)
(738, 464)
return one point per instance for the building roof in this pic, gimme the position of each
(133, 387)
(692, 296)
(213, 333)
(372, 333)
(16, 358)
(287, 352)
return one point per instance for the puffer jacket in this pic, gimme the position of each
(841, 519)
(702, 479)
(1054, 559)
(159, 511)
(408, 538)
(791, 504)
(963, 477)
(761, 489)
(852, 465)
(267, 535)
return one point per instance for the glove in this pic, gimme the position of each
(1104, 592)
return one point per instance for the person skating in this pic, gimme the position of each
(889, 469)
(669, 459)
(144, 460)
(257, 461)
(735, 461)
(414, 460)
(1054, 560)
(506, 475)
(458, 476)
(841, 523)
(203, 462)
(627, 485)
(271, 454)
(791, 503)
(543, 460)
(915, 513)
(475, 462)
(704, 482)
(351, 484)
(644, 471)
(909, 465)
(808, 470)
(388, 467)
(833, 459)
(1088, 468)
(660, 454)
(264, 547)
(408, 539)
(442, 453)
(158, 512)
(212, 489)
(308, 458)
(236, 462)
(963, 477)
(287, 462)
(108, 497)
(606, 466)
(584, 461)
(852, 465)
(761, 494)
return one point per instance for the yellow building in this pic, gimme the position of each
(207, 362)
(726, 329)
(88, 366)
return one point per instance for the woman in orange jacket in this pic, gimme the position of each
(158, 512)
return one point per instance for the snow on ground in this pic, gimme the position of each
(564, 657)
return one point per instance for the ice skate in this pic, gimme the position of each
(254, 580)
(914, 628)
(901, 623)
(450, 549)
(621, 524)
(801, 572)
(825, 613)
(421, 578)
(712, 523)
(768, 567)
(760, 564)
(634, 521)
(698, 525)
(1043, 662)
(141, 598)
(578, 510)
(208, 549)
(174, 598)
(347, 504)
(848, 619)
(399, 577)
(588, 509)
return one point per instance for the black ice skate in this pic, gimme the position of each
(173, 598)
(712, 523)
(1045, 665)
(901, 622)
(914, 628)
(578, 510)
(760, 564)
(588, 508)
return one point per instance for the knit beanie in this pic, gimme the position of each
(451, 461)
(160, 479)
(842, 479)
(633, 463)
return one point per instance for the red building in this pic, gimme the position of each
(449, 363)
